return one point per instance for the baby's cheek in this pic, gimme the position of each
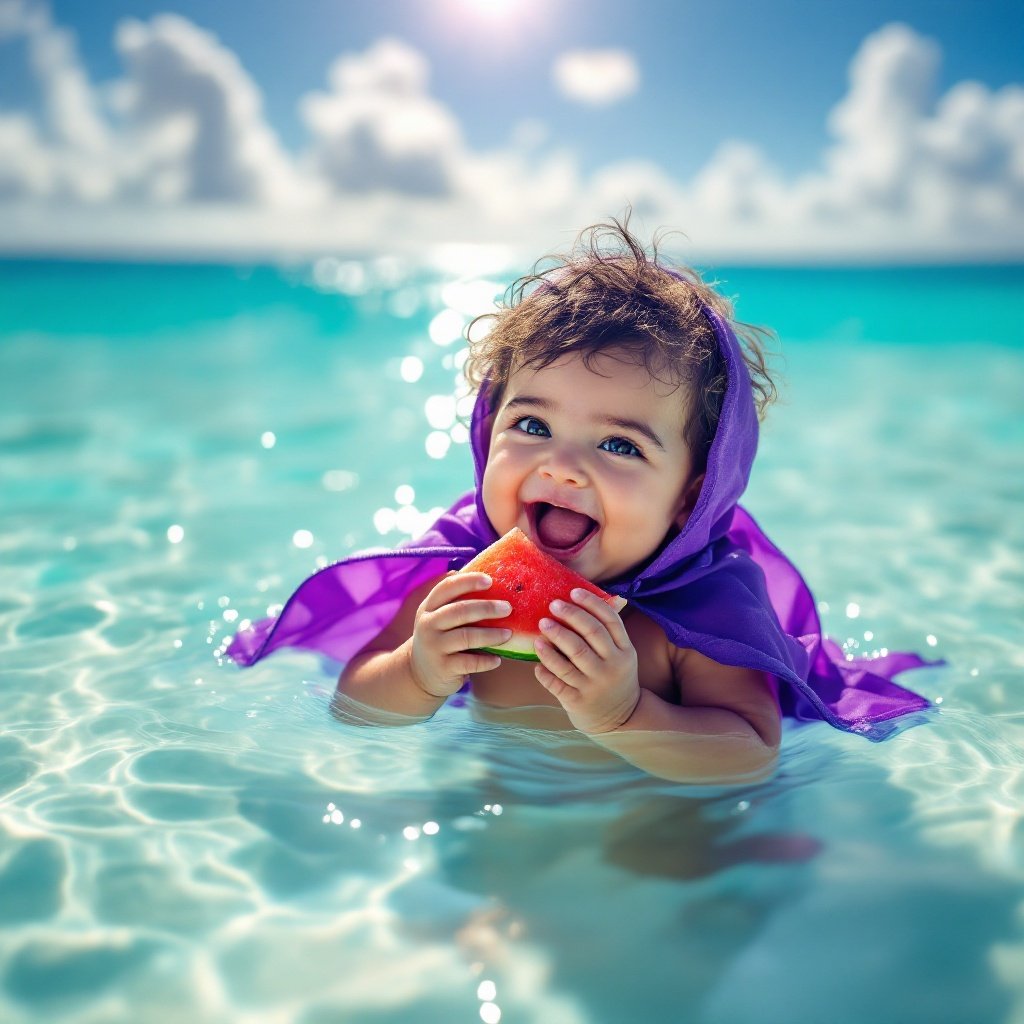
(642, 526)
(496, 499)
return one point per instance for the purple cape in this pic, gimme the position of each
(719, 586)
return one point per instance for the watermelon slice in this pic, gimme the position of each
(529, 580)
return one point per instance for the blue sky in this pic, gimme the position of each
(727, 113)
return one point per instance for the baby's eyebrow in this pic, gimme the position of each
(637, 426)
(527, 400)
(540, 403)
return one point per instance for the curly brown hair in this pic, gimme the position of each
(609, 291)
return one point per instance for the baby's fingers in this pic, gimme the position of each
(473, 638)
(472, 663)
(467, 612)
(600, 610)
(452, 587)
(558, 688)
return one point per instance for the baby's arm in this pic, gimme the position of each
(726, 731)
(725, 728)
(426, 652)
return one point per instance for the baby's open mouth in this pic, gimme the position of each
(562, 531)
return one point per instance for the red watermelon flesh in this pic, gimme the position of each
(529, 580)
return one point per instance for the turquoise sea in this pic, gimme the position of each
(183, 841)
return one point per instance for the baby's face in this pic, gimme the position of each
(590, 463)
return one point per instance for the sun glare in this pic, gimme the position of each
(490, 8)
(503, 13)
(490, 27)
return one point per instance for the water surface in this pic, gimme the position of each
(179, 446)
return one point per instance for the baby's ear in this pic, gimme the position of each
(690, 496)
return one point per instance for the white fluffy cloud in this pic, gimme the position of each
(26, 165)
(951, 166)
(597, 77)
(908, 172)
(379, 129)
(20, 17)
(197, 117)
(184, 124)
(176, 156)
(67, 153)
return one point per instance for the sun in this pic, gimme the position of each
(492, 27)
(496, 9)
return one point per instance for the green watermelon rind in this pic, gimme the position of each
(512, 655)
(518, 647)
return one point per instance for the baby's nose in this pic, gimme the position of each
(565, 467)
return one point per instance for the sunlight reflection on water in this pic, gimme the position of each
(168, 833)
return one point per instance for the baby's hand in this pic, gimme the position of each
(588, 662)
(444, 637)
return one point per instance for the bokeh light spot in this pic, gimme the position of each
(437, 444)
(446, 327)
(411, 369)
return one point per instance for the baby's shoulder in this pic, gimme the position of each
(646, 635)
(659, 661)
(690, 678)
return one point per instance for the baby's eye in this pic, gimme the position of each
(620, 446)
(532, 425)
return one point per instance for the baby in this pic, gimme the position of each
(616, 425)
(605, 388)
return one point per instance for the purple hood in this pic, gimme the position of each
(719, 586)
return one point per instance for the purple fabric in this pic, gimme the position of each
(719, 586)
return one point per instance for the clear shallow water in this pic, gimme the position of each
(178, 839)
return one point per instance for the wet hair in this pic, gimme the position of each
(609, 291)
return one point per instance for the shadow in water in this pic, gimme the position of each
(809, 898)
